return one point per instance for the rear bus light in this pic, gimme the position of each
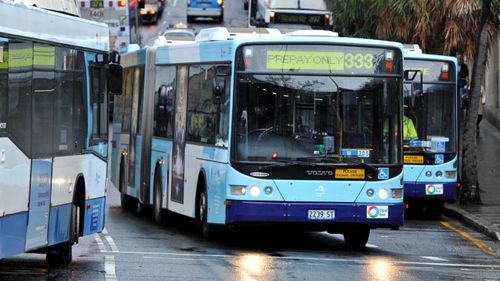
(389, 61)
(445, 74)
(110, 3)
(122, 3)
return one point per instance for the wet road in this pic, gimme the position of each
(133, 247)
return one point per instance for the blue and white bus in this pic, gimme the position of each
(53, 130)
(430, 131)
(254, 129)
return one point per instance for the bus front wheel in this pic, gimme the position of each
(208, 230)
(356, 238)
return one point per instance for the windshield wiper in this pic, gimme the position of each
(286, 164)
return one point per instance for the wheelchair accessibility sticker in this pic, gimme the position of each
(439, 159)
(383, 173)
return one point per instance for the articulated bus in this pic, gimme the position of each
(430, 131)
(298, 14)
(114, 13)
(274, 130)
(53, 130)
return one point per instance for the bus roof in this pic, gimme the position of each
(431, 57)
(48, 26)
(220, 48)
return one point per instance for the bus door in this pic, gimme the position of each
(39, 204)
(135, 137)
(178, 153)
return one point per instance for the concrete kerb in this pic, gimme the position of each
(477, 223)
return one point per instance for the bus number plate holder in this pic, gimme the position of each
(321, 214)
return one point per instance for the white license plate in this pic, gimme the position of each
(321, 214)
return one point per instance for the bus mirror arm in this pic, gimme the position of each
(218, 88)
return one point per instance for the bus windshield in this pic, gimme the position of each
(430, 114)
(429, 118)
(295, 116)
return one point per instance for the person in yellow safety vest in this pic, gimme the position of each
(409, 131)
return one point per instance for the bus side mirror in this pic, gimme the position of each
(115, 79)
(218, 88)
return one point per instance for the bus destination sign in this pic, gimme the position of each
(325, 61)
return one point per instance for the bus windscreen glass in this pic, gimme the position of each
(299, 116)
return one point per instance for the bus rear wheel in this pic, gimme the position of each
(160, 214)
(61, 255)
(356, 238)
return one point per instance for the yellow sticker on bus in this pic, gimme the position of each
(329, 61)
(349, 173)
(413, 159)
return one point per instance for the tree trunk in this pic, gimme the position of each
(470, 185)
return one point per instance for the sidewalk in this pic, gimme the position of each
(484, 218)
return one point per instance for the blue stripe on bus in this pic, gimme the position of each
(60, 218)
(417, 190)
(13, 234)
(255, 211)
(94, 215)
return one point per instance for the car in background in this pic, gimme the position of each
(205, 8)
(179, 32)
(151, 10)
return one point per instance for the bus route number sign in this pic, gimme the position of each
(319, 61)
(349, 173)
(97, 4)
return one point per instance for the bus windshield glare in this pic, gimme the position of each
(330, 102)
(430, 109)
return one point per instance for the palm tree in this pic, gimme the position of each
(439, 27)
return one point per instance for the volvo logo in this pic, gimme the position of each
(259, 174)
(319, 173)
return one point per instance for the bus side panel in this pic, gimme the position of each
(215, 172)
(60, 217)
(94, 215)
(137, 171)
(161, 150)
(13, 234)
(15, 170)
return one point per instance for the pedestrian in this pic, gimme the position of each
(482, 101)
(463, 72)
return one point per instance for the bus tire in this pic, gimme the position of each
(128, 202)
(159, 213)
(61, 255)
(356, 238)
(208, 230)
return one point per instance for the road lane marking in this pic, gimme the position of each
(110, 268)
(474, 240)
(100, 243)
(112, 244)
(433, 258)
(358, 261)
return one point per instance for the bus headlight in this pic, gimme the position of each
(383, 193)
(439, 174)
(238, 190)
(451, 174)
(397, 193)
(255, 190)
(327, 16)
(220, 2)
(428, 174)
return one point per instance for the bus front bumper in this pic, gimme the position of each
(374, 215)
(445, 191)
